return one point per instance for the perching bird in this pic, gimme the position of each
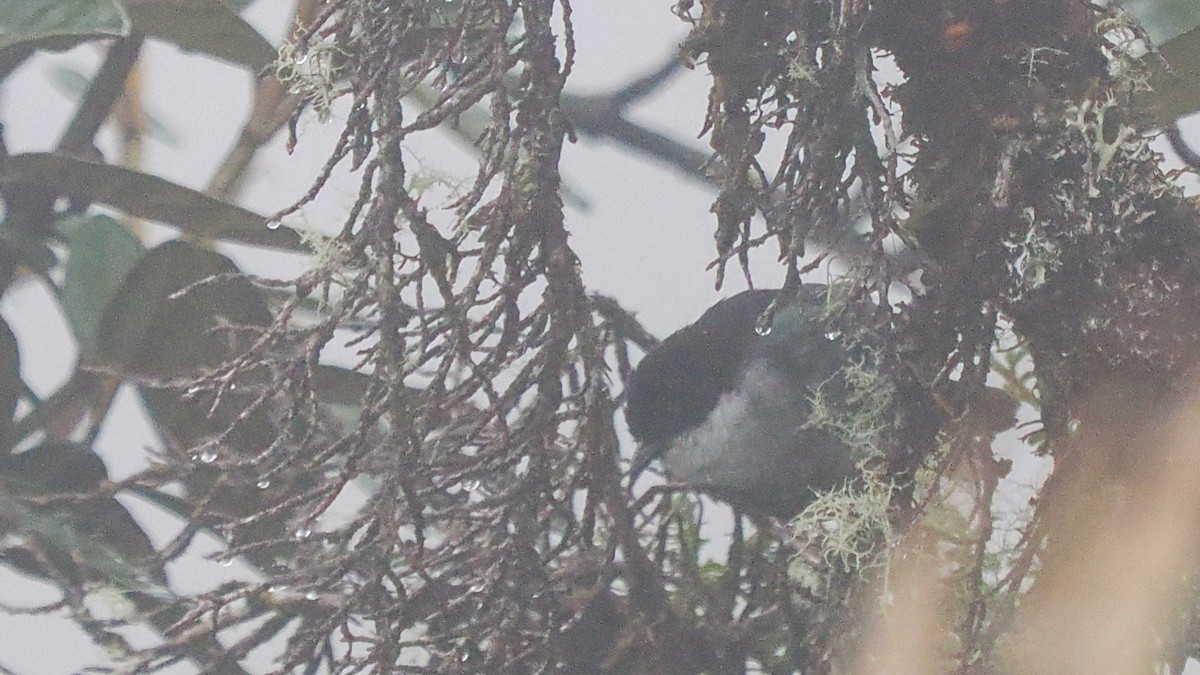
(726, 408)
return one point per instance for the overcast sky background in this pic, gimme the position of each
(645, 238)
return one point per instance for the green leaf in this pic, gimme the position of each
(93, 539)
(150, 197)
(59, 24)
(1165, 19)
(10, 382)
(207, 26)
(101, 250)
(1176, 92)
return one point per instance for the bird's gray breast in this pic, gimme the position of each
(757, 448)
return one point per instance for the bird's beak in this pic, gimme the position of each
(641, 459)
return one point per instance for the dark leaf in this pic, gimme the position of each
(1176, 92)
(88, 536)
(10, 381)
(207, 26)
(154, 328)
(17, 249)
(149, 197)
(28, 222)
(148, 332)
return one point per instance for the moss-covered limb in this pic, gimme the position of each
(1032, 195)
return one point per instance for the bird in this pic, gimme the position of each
(725, 403)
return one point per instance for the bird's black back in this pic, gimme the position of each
(679, 382)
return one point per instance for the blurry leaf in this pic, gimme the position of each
(18, 248)
(207, 26)
(148, 332)
(59, 24)
(150, 197)
(340, 386)
(166, 321)
(54, 467)
(29, 220)
(343, 391)
(1165, 19)
(1176, 93)
(101, 250)
(28, 223)
(10, 381)
(94, 534)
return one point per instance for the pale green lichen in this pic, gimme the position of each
(427, 177)
(311, 72)
(856, 405)
(325, 250)
(846, 527)
(1034, 256)
(1033, 60)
